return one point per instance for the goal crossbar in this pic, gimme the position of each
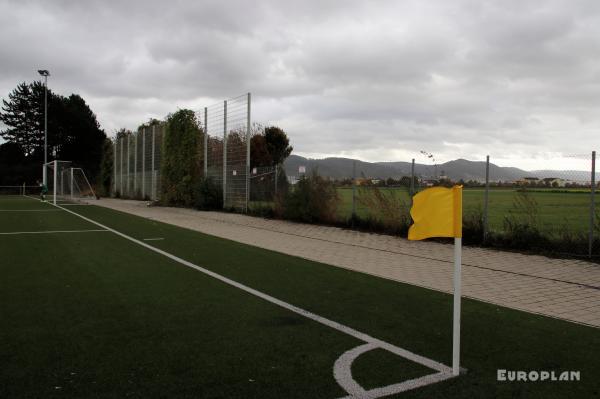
(66, 182)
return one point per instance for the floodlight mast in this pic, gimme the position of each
(45, 74)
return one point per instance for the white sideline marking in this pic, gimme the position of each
(153, 239)
(342, 371)
(342, 365)
(35, 198)
(29, 210)
(50, 232)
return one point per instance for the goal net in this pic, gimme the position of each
(66, 183)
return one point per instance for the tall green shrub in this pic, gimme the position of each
(312, 199)
(105, 180)
(181, 158)
(208, 195)
(522, 225)
(387, 207)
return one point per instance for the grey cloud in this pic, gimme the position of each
(373, 79)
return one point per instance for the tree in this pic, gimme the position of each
(105, 179)
(123, 133)
(13, 171)
(151, 122)
(259, 152)
(80, 138)
(278, 144)
(74, 134)
(11, 153)
(23, 118)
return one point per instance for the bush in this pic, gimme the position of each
(523, 236)
(181, 159)
(105, 178)
(208, 195)
(391, 213)
(312, 200)
(525, 211)
(521, 226)
(376, 225)
(473, 227)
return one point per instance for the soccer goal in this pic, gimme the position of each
(66, 183)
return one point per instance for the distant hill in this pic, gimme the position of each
(340, 168)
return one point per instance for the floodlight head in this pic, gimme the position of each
(43, 72)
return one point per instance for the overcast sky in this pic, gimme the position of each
(375, 80)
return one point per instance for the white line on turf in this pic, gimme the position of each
(342, 367)
(29, 210)
(342, 371)
(50, 232)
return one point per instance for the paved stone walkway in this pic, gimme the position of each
(561, 288)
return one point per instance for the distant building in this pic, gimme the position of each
(555, 182)
(364, 181)
(527, 181)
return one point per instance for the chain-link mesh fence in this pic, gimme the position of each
(551, 209)
(136, 165)
(227, 149)
(263, 185)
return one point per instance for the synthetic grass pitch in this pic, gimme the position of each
(92, 314)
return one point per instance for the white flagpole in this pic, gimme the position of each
(457, 296)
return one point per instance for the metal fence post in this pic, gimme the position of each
(353, 190)
(153, 192)
(486, 197)
(224, 153)
(248, 138)
(121, 170)
(592, 205)
(128, 168)
(143, 162)
(114, 167)
(412, 179)
(276, 177)
(205, 142)
(135, 165)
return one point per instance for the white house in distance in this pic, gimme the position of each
(547, 181)
(554, 181)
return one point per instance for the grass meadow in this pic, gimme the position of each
(556, 210)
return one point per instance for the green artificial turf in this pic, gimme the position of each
(95, 315)
(25, 214)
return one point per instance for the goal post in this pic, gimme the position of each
(80, 185)
(66, 183)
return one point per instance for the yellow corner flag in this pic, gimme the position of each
(436, 212)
